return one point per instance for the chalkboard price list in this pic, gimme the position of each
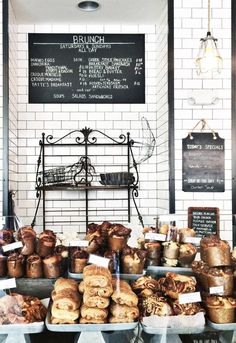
(103, 68)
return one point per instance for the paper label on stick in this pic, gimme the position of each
(79, 243)
(12, 246)
(98, 260)
(193, 240)
(9, 283)
(216, 290)
(155, 236)
(186, 298)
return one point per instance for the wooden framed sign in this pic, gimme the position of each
(204, 220)
(203, 163)
(86, 68)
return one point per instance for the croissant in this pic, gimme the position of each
(63, 283)
(96, 276)
(93, 313)
(123, 294)
(124, 311)
(66, 299)
(95, 301)
(100, 291)
(64, 314)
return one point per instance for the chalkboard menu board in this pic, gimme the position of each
(86, 68)
(204, 220)
(203, 163)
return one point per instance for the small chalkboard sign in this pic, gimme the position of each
(203, 163)
(86, 68)
(204, 220)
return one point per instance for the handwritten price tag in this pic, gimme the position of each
(193, 240)
(98, 260)
(12, 246)
(9, 283)
(81, 243)
(217, 290)
(155, 236)
(187, 298)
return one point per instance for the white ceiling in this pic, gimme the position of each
(67, 11)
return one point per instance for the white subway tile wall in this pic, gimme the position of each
(190, 25)
(113, 119)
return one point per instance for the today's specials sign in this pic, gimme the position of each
(86, 68)
(203, 163)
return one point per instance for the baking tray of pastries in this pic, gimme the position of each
(88, 327)
(78, 276)
(226, 327)
(160, 270)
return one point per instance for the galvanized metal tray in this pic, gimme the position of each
(223, 327)
(88, 327)
(122, 276)
(18, 329)
(171, 331)
(160, 270)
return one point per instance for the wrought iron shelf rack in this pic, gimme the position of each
(71, 163)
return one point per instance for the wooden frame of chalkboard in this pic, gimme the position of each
(204, 220)
(86, 68)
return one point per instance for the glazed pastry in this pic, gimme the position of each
(117, 237)
(79, 260)
(46, 243)
(214, 276)
(174, 284)
(93, 313)
(52, 266)
(214, 251)
(95, 276)
(133, 260)
(92, 291)
(34, 267)
(15, 265)
(221, 310)
(27, 235)
(144, 286)
(188, 309)
(155, 305)
(6, 236)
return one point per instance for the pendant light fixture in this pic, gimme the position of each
(208, 58)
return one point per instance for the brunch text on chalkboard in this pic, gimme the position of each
(86, 68)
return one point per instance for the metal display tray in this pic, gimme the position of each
(160, 270)
(223, 327)
(88, 327)
(122, 276)
(19, 329)
(171, 331)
